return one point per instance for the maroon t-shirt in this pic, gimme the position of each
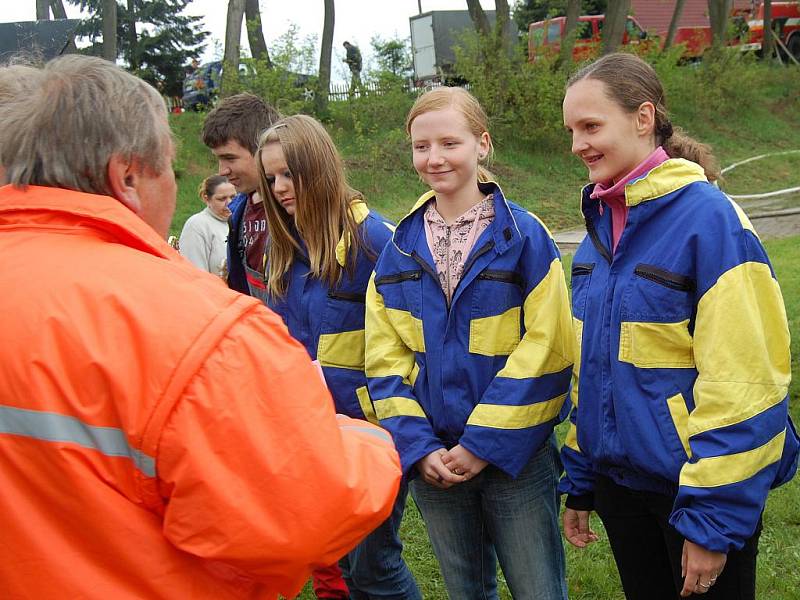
(254, 234)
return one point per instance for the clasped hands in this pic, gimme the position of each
(446, 468)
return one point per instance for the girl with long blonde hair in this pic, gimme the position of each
(322, 247)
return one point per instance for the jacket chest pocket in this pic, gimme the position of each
(581, 278)
(341, 340)
(657, 319)
(402, 296)
(495, 326)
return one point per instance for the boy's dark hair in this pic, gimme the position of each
(240, 118)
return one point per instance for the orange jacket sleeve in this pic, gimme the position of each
(256, 469)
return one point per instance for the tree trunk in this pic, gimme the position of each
(673, 24)
(503, 25)
(57, 7)
(718, 11)
(614, 26)
(255, 33)
(42, 10)
(478, 17)
(110, 30)
(133, 39)
(570, 31)
(768, 43)
(326, 51)
(233, 33)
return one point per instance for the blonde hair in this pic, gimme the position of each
(322, 210)
(78, 112)
(629, 81)
(460, 99)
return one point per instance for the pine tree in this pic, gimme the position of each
(156, 42)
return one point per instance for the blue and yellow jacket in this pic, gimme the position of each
(492, 372)
(330, 322)
(681, 382)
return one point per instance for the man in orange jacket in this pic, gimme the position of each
(160, 435)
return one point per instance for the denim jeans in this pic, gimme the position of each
(375, 568)
(515, 518)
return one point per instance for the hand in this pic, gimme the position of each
(434, 471)
(700, 568)
(463, 462)
(576, 528)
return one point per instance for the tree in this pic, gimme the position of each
(614, 26)
(255, 33)
(768, 42)
(233, 33)
(110, 30)
(718, 11)
(393, 57)
(168, 38)
(503, 25)
(479, 17)
(673, 24)
(529, 11)
(325, 54)
(570, 31)
(42, 10)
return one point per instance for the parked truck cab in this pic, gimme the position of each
(544, 37)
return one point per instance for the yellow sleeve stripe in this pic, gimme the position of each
(344, 350)
(571, 441)
(750, 372)
(502, 416)
(398, 407)
(548, 345)
(733, 468)
(366, 405)
(743, 218)
(386, 353)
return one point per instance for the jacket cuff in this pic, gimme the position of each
(582, 502)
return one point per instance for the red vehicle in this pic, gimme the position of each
(544, 37)
(785, 24)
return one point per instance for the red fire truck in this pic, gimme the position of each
(785, 25)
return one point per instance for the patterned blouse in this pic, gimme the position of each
(450, 245)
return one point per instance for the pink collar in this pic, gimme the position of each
(602, 191)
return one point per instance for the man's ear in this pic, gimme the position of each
(123, 178)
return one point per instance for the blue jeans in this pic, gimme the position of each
(375, 568)
(518, 518)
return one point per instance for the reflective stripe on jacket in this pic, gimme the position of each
(681, 383)
(160, 435)
(330, 322)
(492, 372)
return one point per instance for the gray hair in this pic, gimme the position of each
(63, 125)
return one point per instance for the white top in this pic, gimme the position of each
(203, 241)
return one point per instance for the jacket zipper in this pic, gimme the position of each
(596, 241)
(579, 269)
(400, 277)
(348, 296)
(660, 276)
(502, 276)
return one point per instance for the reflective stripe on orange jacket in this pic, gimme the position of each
(160, 435)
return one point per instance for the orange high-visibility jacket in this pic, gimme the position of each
(160, 435)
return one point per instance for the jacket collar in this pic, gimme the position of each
(504, 230)
(668, 177)
(62, 208)
(360, 211)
